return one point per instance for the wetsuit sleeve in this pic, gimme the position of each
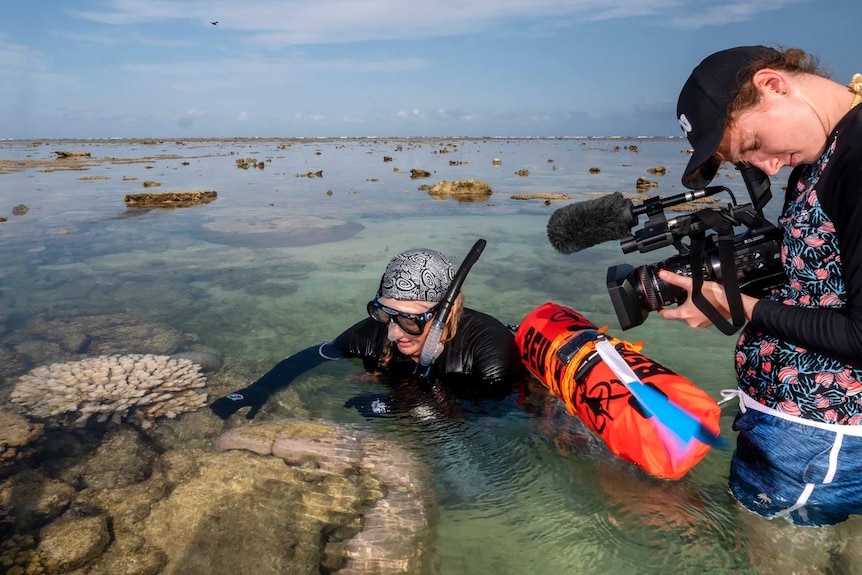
(256, 394)
(357, 341)
(289, 369)
(361, 340)
(833, 332)
(486, 349)
(364, 339)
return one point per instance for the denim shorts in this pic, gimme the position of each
(784, 466)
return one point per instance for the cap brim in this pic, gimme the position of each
(702, 166)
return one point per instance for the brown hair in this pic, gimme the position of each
(448, 333)
(792, 60)
(454, 316)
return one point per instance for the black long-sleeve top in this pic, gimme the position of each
(832, 331)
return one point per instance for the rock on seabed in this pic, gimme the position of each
(397, 529)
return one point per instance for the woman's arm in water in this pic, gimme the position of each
(284, 372)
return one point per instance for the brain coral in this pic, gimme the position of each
(137, 388)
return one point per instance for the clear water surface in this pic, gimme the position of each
(282, 260)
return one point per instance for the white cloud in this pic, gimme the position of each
(190, 118)
(200, 76)
(277, 23)
(314, 118)
(17, 56)
(417, 114)
(727, 13)
(125, 37)
(24, 73)
(447, 114)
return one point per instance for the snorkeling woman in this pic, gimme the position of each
(419, 290)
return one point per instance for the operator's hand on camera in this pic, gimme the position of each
(714, 293)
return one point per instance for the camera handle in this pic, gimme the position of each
(725, 243)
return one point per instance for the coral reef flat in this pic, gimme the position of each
(173, 507)
(288, 256)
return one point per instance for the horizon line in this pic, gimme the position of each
(162, 139)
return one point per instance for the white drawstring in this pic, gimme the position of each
(728, 394)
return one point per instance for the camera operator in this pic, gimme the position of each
(799, 359)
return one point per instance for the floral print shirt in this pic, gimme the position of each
(802, 352)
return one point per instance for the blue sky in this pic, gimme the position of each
(289, 68)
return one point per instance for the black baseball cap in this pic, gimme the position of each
(704, 105)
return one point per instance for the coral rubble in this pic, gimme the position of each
(18, 437)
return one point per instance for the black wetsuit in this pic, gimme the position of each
(483, 350)
(482, 360)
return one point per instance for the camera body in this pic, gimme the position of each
(637, 291)
(756, 253)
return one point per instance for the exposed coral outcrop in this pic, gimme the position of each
(541, 196)
(461, 190)
(644, 184)
(170, 199)
(72, 154)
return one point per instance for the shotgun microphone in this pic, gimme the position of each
(582, 225)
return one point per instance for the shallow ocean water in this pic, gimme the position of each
(282, 260)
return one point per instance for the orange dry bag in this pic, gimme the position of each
(554, 348)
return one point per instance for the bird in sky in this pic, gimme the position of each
(214, 23)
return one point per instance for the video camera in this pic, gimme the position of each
(748, 263)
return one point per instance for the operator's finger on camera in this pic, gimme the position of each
(675, 279)
(714, 293)
(686, 310)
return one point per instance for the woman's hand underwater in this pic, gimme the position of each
(229, 404)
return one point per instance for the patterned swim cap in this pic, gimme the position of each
(417, 275)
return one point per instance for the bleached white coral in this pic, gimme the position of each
(134, 387)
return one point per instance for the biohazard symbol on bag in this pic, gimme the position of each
(558, 346)
(598, 399)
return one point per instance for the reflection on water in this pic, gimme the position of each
(281, 260)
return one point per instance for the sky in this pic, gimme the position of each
(384, 68)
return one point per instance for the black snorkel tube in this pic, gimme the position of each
(432, 348)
